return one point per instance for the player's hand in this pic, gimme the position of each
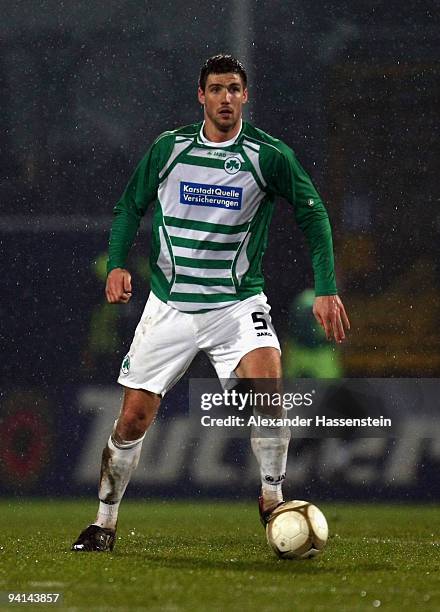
(118, 287)
(330, 313)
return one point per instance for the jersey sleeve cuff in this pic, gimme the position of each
(112, 266)
(324, 292)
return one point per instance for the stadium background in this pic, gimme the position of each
(85, 87)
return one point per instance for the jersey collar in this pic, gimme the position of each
(201, 138)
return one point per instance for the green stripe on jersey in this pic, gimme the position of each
(208, 245)
(221, 264)
(204, 226)
(201, 297)
(207, 282)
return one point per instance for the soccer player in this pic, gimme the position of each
(212, 185)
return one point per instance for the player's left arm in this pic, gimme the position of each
(289, 180)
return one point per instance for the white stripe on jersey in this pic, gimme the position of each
(198, 254)
(242, 263)
(164, 260)
(203, 272)
(252, 151)
(201, 289)
(179, 147)
(183, 232)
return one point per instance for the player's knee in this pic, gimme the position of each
(132, 425)
(260, 363)
(138, 412)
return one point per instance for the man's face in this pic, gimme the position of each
(223, 99)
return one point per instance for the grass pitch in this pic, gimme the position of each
(208, 556)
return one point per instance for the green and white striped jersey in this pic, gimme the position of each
(213, 206)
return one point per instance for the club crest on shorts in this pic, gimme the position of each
(232, 165)
(125, 367)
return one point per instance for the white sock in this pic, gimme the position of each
(270, 446)
(119, 460)
(272, 496)
(107, 515)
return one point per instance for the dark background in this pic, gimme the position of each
(352, 87)
(85, 87)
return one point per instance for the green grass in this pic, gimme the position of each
(213, 556)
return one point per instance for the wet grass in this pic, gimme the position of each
(213, 556)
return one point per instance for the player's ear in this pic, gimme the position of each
(201, 95)
(245, 95)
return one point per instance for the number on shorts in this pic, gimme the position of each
(259, 320)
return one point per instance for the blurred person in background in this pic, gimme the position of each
(307, 353)
(101, 352)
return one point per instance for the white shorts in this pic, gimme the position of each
(166, 341)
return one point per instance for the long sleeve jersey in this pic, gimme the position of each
(212, 209)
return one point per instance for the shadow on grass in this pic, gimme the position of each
(282, 566)
(186, 553)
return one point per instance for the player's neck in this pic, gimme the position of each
(213, 134)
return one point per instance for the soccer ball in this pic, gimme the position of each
(297, 530)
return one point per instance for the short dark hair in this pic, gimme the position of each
(221, 64)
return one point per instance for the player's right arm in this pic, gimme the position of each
(128, 212)
(118, 286)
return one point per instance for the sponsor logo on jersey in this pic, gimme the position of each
(232, 165)
(199, 194)
(311, 202)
